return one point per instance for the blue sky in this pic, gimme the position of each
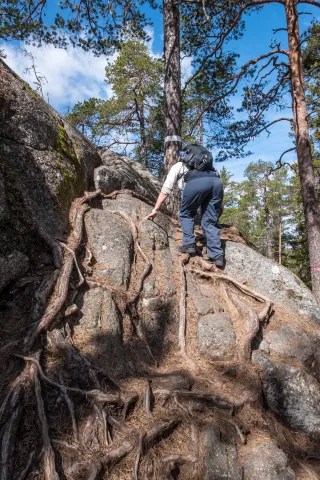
(74, 75)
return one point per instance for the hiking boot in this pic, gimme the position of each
(218, 261)
(191, 248)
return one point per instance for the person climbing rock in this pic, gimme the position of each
(201, 187)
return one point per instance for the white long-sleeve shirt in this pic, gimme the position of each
(176, 172)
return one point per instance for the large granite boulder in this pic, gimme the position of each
(267, 462)
(11, 267)
(111, 243)
(220, 455)
(272, 280)
(121, 173)
(292, 394)
(216, 336)
(44, 162)
(291, 343)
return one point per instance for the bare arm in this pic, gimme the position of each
(161, 198)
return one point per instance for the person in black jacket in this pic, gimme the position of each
(202, 187)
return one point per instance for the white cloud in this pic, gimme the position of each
(73, 75)
(186, 68)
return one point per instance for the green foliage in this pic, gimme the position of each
(134, 114)
(258, 204)
(97, 25)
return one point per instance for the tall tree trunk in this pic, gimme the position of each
(201, 132)
(172, 80)
(280, 242)
(143, 141)
(142, 128)
(303, 145)
(268, 219)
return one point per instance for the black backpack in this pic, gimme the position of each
(196, 157)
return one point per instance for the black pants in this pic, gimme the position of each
(205, 191)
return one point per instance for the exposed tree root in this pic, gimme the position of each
(10, 414)
(206, 398)
(139, 455)
(95, 395)
(251, 324)
(26, 469)
(145, 273)
(61, 289)
(115, 193)
(57, 340)
(81, 279)
(264, 314)
(182, 307)
(49, 468)
(237, 429)
(42, 294)
(8, 435)
(148, 398)
(119, 425)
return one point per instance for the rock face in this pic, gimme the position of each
(292, 394)
(267, 463)
(119, 173)
(44, 162)
(272, 280)
(291, 342)
(202, 297)
(11, 267)
(206, 386)
(220, 455)
(111, 243)
(216, 336)
(101, 324)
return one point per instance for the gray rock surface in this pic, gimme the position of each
(292, 394)
(216, 336)
(111, 244)
(11, 267)
(220, 455)
(119, 172)
(270, 279)
(101, 321)
(202, 297)
(290, 342)
(267, 462)
(45, 162)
